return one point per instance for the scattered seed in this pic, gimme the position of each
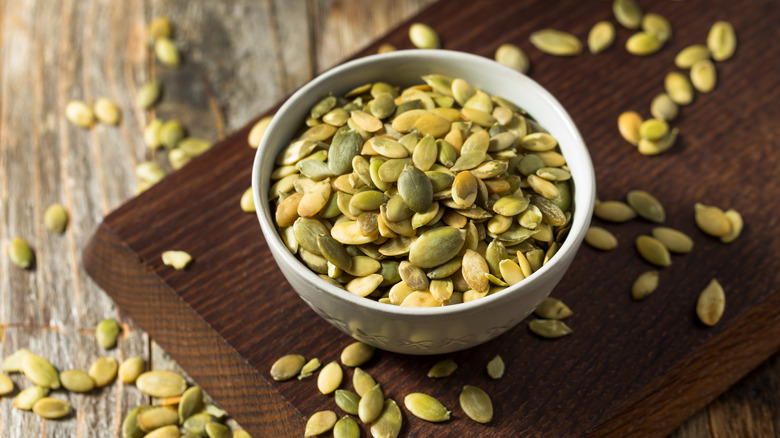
(614, 211)
(28, 396)
(735, 219)
(711, 303)
(362, 381)
(287, 367)
(6, 385)
(642, 44)
(20, 254)
(329, 378)
(722, 41)
(176, 259)
(556, 42)
(476, 404)
(674, 240)
(650, 147)
(13, 362)
(371, 404)
(150, 172)
(356, 354)
(161, 384)
(320, 423)
(600, 238)
(148, 95)
(106, 111)
(425, 407)
(653, 251)
(690, 55)
(679, 88)
(653, 129)
(423, 36)
(103, 371)
(159, 27)
(627, 13)
(644, 285)
(549, 328)
(513, 57)
(628, 125)
(646, 206)
(552, 308)
(51, 408)
(601, 36)
(131, 368)
(495, 368)
(79, 113)
(171, 133)
(346, 428)
(443, 368)
(40, 371)
(663, 108)
(167, 52)
(55, 218)
(385, 48)
(347, 401)
(703, 76)
(388, 425)
(658, 26)
(712, 220)
(257, 131)
(106, 333)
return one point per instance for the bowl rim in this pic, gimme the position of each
(583, 181)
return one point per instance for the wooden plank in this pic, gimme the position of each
(627, 362)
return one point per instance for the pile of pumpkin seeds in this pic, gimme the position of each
(432, 195)
(657, 247)
(369, 404)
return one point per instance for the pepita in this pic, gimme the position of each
(601, 36)
(711, 303)
(104, 370)
(653, 251)
(722, 41)
(347, 401)
(674, 240)
(644, 285)
(549, 328)
(330, 378)
(712, 220)
(552, 308)
(319, 423)
(40, 371)
(513, 57)
(556, 42)
(51, 408)
(427, 408)
(131, 368)
(423, 36)
(178, 260)
(476, 404)
(161, 384)
(495, 368)
(356, 354)
(20, 254)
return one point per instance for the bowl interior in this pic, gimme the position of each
(405, 68)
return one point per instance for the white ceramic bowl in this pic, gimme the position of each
(441, 329)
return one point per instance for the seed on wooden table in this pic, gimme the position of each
(55, 218)
(679, 88)
(650, 147)
(40, 371)
(6, 385)
(711, 303)
(495, 368)
(79, 113)
(106, 111)
(148, 95)
(601, 36)
(653, 129)
(712, 220)
(347, 401)
(161, 384)
(674, 240)
(385, 48)
(721, 40)
(657, 25)
(196, 424)
(663, 108)
(443, 368)
(77, 381)
(346, 427)
(156, 417)
(644, 285)
(427, 408)
(176, 259)
(653, 251)
(600, 238)
(370, 405)
(423, 36)
(103, 371)
(28, 396)
(51, 408)
(159, 27)
(513, 57)
(257, 131)
(703, 76)
(735, 219)
(628, 125)
(476, 404)
(627, 13)
(150, 172)
(691, 55)
(556, 42)
(190, 404)
(106, 333)
(167, 52)
(217, 430)
(388, 425)
(642, 44)
(151, 134)
(309, 368)
(320, 423)
(552, 308)
(20, 254)
(614, 211)
(171, 133)
(356, 354)
(287, 367)
(549, 328)
(646, 206)
(170, 431)
(13, 362)
(330, 378)
(131, 368)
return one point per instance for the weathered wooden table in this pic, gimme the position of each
(241, 57)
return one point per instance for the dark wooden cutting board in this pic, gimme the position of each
(629, 369)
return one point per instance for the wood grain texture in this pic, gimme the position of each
(241, 58)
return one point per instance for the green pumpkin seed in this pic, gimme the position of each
(735, 219)
(549, 328)
(356, 354)
(52, 408)
(495, 368)
(423, 36)
(167, 52)
(388, 425)
(627, 13)
(287, 367)
(614, 211)
(642, 44)
(148, 95)
(646, 206)
(653, 251)
(77, 381)
(690, 55)
(130, 427)
(156, 417)
(653, 129)
(258, 131)
(103, 371)
(712, 220)
(309, 368)
(161, 384)
(323, 106)
(427, 408)
(513, 57)
(476, 404)
(657, 25)
(131, 368)
(371, 404)
(556, 42)
(679, 88)
(20, 254)
(176, 259)
(722, 41)
(106, 333)
(650, 147)
(7, 385)
(674, 240)
(462, 91)
(27, 397)
(344, 147)
(171, 133)
(644, 285)
(446, 269)
(217, 430)
(362, 381)
(106, 111)
(474, 268)
(196, 424)
(191, 403)
(347, 401)
(552, 308)
(40, 371)
(601, 36)
(703, 76)
(346, 428)
(711, 303)
(441, 369)
(152, 134)
(320, 423)
(663, 108)
(551, 213)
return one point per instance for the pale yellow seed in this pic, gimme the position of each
(690, 55)
(148, 95)
(552, 308)
(476, 404)
(513, 57)
(711, 303)
(55, 218)
(679, 88)
(510, 272)
(495, 368)
(653, 251)
(628, 125)
(370, 405)
(27, 397)
(247, 201)
(674, 240)
(20, 253)
(650, 147)
(320, 423)
(79, 113)
(600, 238)
(106, 333)
(160, 27)
(131, 368)
(657, 25)
(644, 285)
(642, 44)
(614, 211)
(107, 112)
(161, 384)
(442, 369)
(601, 37)
(152, 134)
(427, 408)
(356, 354)
(549, 328)
(423, 36)
(178, 260)
(735, 219)
(362, 381)
(167, 52)
(52, 408)
(627, 13)
(663, 108)
(6, 385)
(385, 48)
(556, 42)
(287, 367)
(40, 371)
(653, 129)
(257, 131)
(712, 220)
(704, 76)
(722, 41)
(330, 378)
